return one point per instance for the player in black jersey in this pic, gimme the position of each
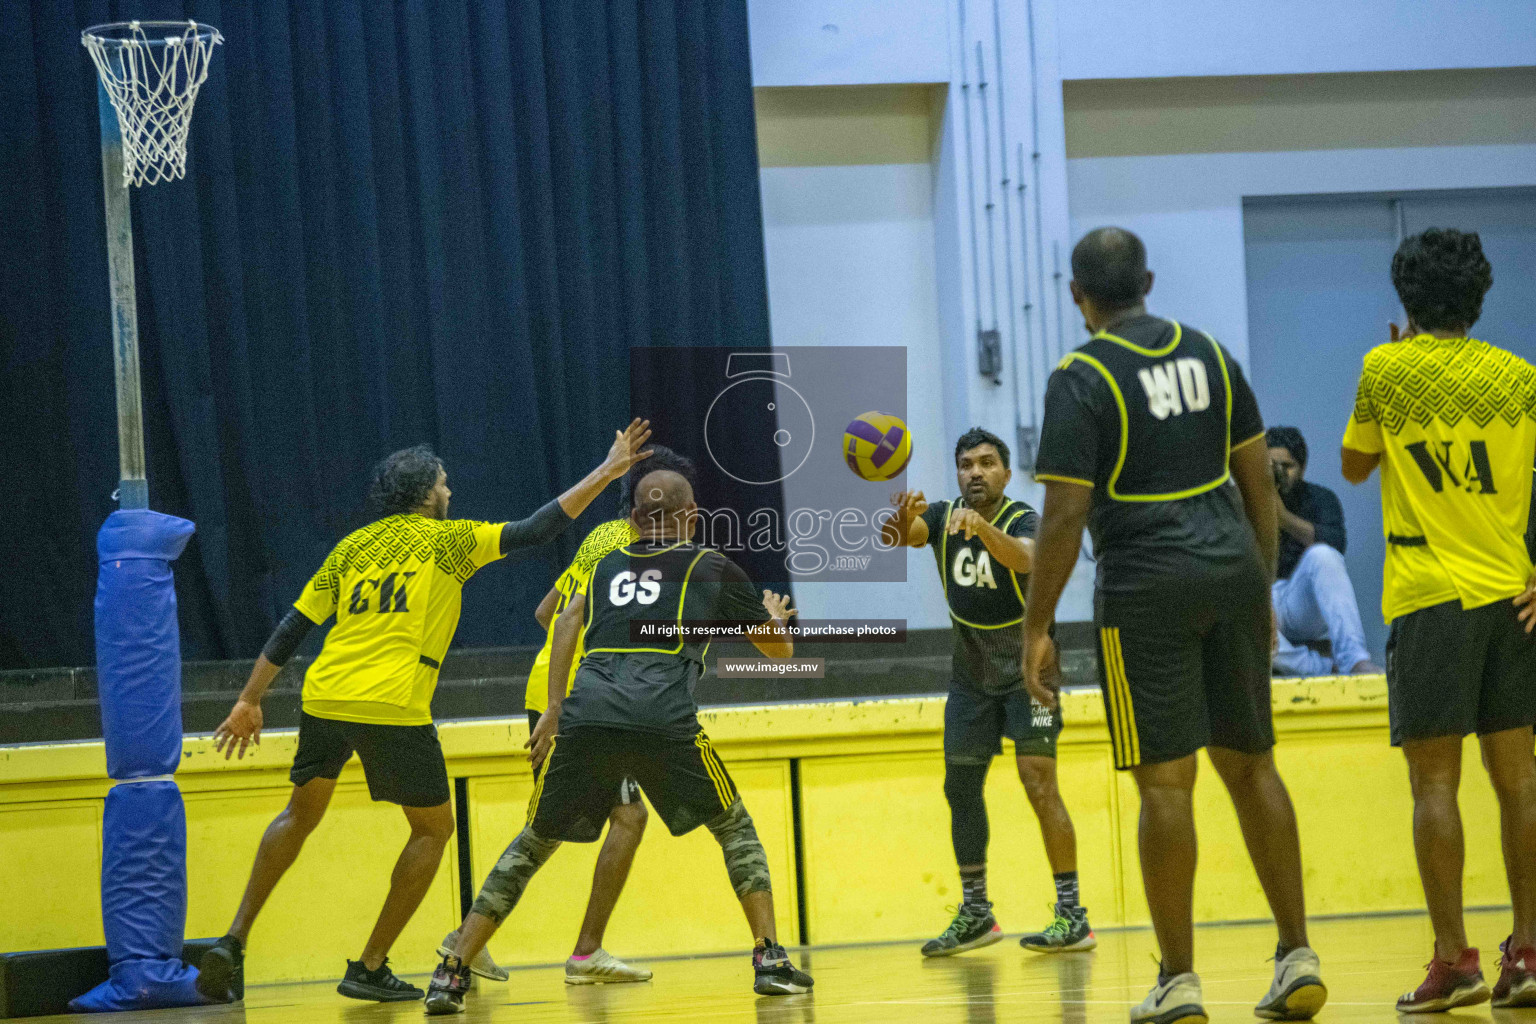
(631, 715)
(983, 542)
(1146, 426)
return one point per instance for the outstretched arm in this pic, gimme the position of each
(1015, 553)
(776, 642)
(906, 528)
(241, 729)
(547, 523)
(1056, 547)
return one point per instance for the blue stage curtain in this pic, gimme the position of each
(437, 220)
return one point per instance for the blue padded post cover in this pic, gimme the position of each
(143, 901)
(144, 828)
(138, 644)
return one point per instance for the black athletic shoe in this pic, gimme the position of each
(381, 985)
(971, 929)
(221, 972)
(1068, 932)
(776, 975)
(449, 983)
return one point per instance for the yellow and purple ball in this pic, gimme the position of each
(877, 446)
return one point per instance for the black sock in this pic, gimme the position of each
(973, 886)
(1282, 951)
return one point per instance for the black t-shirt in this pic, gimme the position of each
(985, 597)
(641, 684)
(1147, 417)
(1318, 506)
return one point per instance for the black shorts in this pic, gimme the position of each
(629, 791)
(1452, 671)
(403, 763)
(975, 724)
(585, 772)
(1186, 670)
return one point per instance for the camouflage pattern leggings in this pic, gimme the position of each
(745, 861)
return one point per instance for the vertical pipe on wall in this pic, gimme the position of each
(1061, 337)
(986, 178)
(970, 182)
(1025, 366)
(1034, 132)
(1028, 306)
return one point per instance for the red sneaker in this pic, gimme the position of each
(1517, 976)
(1447, 986)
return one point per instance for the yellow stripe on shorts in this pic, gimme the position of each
(538, 787)
(715, 768)
(1126, 742)
(1113, 714)
(725, 778)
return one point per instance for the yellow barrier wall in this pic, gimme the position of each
(876, 861)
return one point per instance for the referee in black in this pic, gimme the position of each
(1146, 426)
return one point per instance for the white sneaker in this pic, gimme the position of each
(482, 964)
(1298, 992)
(1175, 1001)
(601, 968)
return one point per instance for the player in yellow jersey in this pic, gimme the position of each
(589, 963)
(395, 589)
(1451, 421)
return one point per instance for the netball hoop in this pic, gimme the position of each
(149, 73)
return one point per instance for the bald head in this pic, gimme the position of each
(1109, 268)
(662, 499)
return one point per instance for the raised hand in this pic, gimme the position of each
(967, 519)
(777, 605)
(626, 450)
(911, 504)
(242, 729)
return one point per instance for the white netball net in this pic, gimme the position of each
(151, 71)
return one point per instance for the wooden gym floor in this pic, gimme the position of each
(1367, 963)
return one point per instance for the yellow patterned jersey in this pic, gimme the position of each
(606, 537)
(1454, 421)
(396, 589)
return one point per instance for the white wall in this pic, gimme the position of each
(1188, 209)
(1178, 38)
(858, 42)
(851, 262)
(848, 42)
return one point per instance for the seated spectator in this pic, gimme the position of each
(1314, 600)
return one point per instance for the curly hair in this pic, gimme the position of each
(977, 436)
(662, 458)
(1290, 439)
(402, 481)
(1441, 276)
